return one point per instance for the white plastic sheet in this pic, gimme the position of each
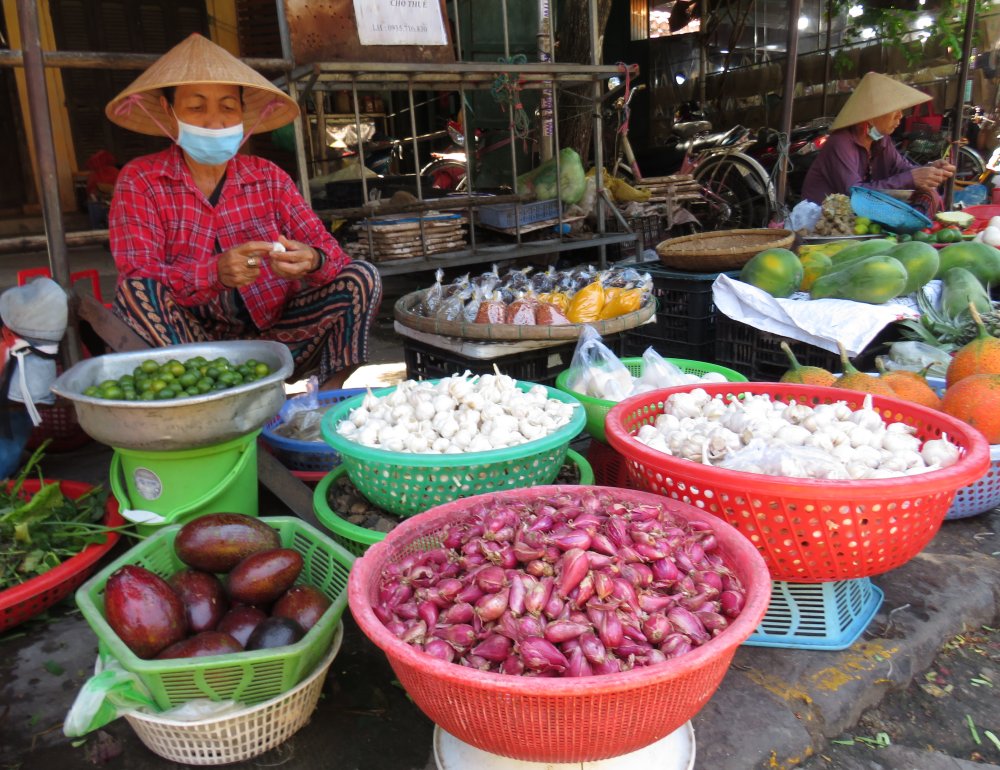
(820, 322)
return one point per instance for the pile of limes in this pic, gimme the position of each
(153, 381)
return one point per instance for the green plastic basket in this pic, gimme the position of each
(247, 677)
(597, 408)
(357, 539)
(405, 483)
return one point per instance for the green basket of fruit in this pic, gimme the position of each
(410, 482)
(249, 676)
(597, 408)
(356, 538)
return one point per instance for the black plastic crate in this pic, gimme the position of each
(648, 232)
(685, 314)
(636, 343)
(427, 362)
(758, 354)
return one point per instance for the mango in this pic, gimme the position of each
(203, 596)
(262, 577)
(303, 604)
(240, 622)
(202, 645)
(143, 610)
(218, 542)
(275, 632)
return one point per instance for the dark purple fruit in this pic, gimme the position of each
(204, 598)
(263, 577)
(240, 622)
(143, 610)
(202, 645)
(303, 604)
(217, 542)
(274, 632)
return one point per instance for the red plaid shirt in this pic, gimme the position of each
(162, 227)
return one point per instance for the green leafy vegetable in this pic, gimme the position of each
(41, 532)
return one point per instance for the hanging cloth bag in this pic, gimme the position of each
(923, 119)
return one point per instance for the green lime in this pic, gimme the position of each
(113, 392)
(922, 236)
(213, 372)
(192, 391)
(176, 368)
(126, 378)
(188, 379)
(262, 370)
(221, 363)
(149, 366)
(164, 393)
(157, 385)
(227, 378)
(204, 385)
(93, 391)
(130, 396)
(147, 395)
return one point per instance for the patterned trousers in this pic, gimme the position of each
(326, 328)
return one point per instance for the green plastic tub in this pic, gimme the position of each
(247, 677)
(597, 408)
(357, 539)
(406, 483)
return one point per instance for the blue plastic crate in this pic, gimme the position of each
(817, 616)
(895, 214)
(508, 215)
(299, 455)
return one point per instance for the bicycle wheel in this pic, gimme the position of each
(739, 183)
(970, 166)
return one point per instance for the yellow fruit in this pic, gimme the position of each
(860, 229)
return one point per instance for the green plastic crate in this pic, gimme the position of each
(357, 539)
(597, 408)
(247, 677)
(407, 483)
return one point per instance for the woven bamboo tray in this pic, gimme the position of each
(404, 312)
(721, 250)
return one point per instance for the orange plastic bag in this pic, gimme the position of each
(625, 301)
(586, 304)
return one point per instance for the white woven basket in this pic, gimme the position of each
(241, 735)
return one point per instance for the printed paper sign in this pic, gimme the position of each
(400, 22)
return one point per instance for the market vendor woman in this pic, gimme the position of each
(860, 152)
(215, 245)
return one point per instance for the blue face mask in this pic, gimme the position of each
(209, 146)
(874, 134)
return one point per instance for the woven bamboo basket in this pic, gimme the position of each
(721, 250)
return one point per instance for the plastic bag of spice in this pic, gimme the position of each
(521, 312)
(585, 306)
(549, 314)
(492, 310)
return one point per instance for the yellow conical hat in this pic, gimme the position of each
(199, 60)
(877, 95)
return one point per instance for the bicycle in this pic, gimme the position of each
(737, 191)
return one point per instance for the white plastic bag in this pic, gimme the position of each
(303, 415)
(804, 216)
(596, 371)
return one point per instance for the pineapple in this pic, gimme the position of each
(937, 328)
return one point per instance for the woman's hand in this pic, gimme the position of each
(295, 261)
(928, 178)
(240, 266)
(944, 165)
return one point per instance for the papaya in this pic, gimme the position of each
(920, 260)
(980, 259)
(873, 280)
(862, 249)
(814, 264)
(776, 271)
(959, 287)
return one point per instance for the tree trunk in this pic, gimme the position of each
(575, 102)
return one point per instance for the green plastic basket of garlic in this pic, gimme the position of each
(420, 444)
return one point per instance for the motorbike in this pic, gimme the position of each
(804, 144)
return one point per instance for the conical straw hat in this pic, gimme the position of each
(199, 60)
(877, 95)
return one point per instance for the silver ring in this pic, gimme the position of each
(251, 262)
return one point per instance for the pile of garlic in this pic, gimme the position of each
(829, 441)
(461, 413)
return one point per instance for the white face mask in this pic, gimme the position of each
(874, 134)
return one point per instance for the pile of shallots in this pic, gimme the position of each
(567, 584)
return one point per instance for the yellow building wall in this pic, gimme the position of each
(222, 29)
